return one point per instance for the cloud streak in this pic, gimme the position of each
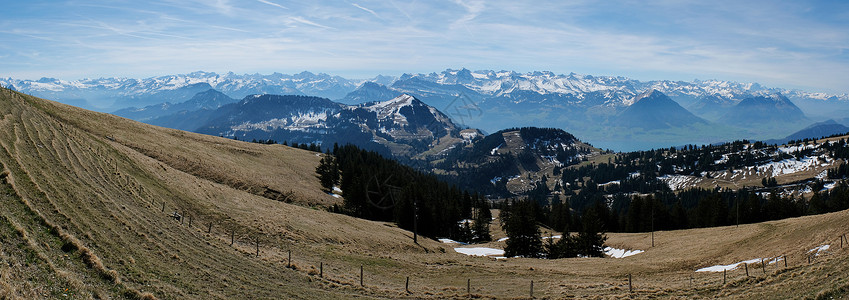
(273, 4)
(366, 10)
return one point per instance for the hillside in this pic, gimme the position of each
(84, 180)
(82, 218)
(512, 161)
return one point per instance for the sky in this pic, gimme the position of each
(786, 44)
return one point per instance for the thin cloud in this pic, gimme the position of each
(308, 22)
(367, 10)
(273, 4)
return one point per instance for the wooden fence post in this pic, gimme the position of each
(163, 206)
(321, 270)
(361, 275)
(630, 286)
(257, 246)
(232, 237)
(469, 287)
(209, 228)
(763, 265)
(289, 261)
(181, 219)
(407, 285)
(747, 269)
(532, 289)
(724, 274)
(785, 261)
(190, 221)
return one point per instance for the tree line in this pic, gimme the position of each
(377, 188)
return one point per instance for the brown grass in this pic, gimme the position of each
(95, 202)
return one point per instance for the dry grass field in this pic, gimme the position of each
(82, 217)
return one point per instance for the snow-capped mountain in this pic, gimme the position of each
(401, 126)
(109, 94)
(585, 105)
(369, 91)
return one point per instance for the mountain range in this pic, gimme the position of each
(603, 110)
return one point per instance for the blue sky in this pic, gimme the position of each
(789, 44)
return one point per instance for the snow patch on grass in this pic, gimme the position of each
(820, 249)
(620, 253)
(734, 266)
(480, 251)
(450, 241)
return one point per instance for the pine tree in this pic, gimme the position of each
(590, 240)
(560, 216)
(481, 223)
(521, 228)
(328, 172)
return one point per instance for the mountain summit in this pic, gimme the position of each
(771, 108)
(654, 110)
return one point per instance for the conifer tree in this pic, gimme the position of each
(521, 227)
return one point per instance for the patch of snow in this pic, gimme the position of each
(480, 251)
(823, 248)
(829, 186)
(679, 182)
(789, 166)
(620, 253)
(720, 268)
(450, 241)
(337, 189)
(553, 237)
(469, 135)
(503, 239)
(616, 182)
(494, 150)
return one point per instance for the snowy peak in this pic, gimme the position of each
(394, 104)
(367, 92)
(651, 96)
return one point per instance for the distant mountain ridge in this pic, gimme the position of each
(814, 131)
(585, 105)
(110, 94)
(208, 100)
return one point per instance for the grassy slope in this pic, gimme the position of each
(64, 189)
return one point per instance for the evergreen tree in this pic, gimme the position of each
(328, 172)
(481, 223)
(591, 238)
(560, 216)
(521, 227)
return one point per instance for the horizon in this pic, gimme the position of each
(369, 78)
(789, 45)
